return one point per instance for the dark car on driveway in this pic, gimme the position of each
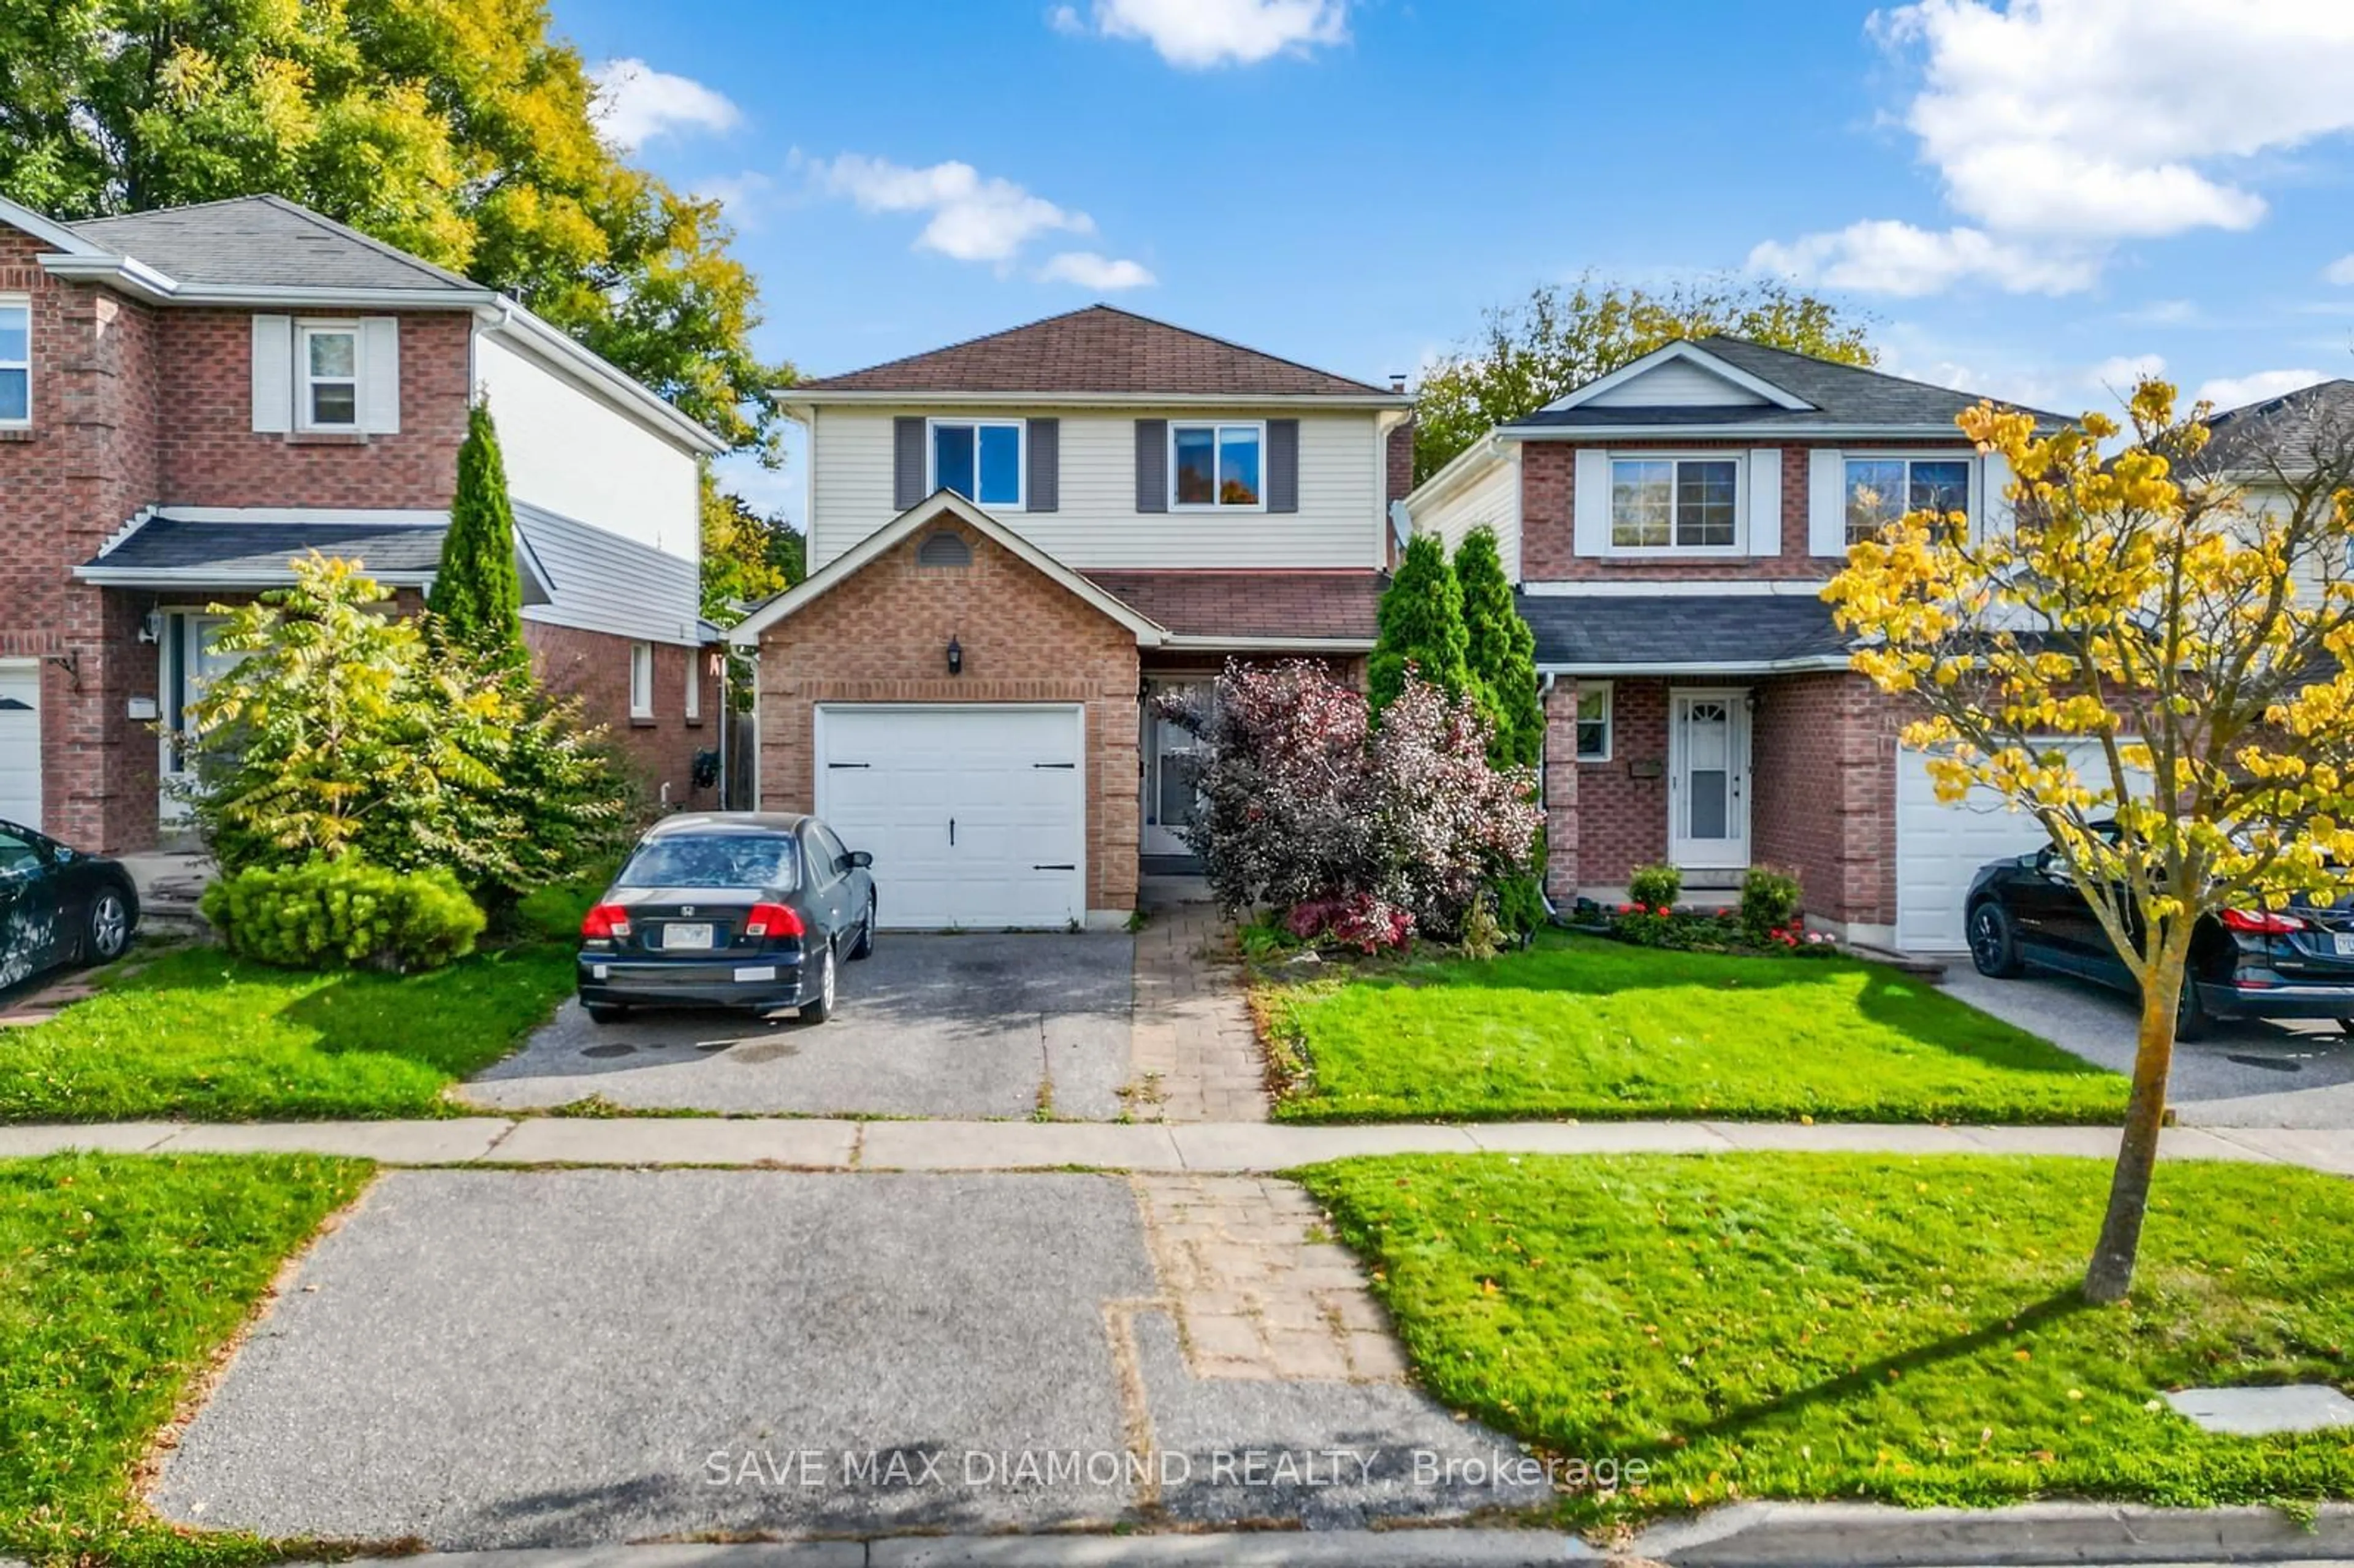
(737, 909)
(60, 905)
(2298, 963)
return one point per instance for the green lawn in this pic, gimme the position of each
(1589, 1028)
(120, 1277)
(200, 1035)
(1825, 1327)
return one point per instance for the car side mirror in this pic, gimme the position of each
(857, 860)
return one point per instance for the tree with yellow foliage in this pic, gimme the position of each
(2190, 612)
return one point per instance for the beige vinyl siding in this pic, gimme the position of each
(1492, 497)
(1339, 523)
(1675, 383)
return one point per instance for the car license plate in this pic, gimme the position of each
(684, 935)
(757, 972)
(2342, 944)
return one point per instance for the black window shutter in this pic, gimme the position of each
(1152, 465)
(906, 461)
(1045, 476)
(1283, 465)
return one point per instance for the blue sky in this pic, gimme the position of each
(2029, 200)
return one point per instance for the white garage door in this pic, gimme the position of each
(20, 743)
(975, 814)
(1939, 848)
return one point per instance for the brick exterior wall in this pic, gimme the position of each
(1549, 506)
(594, 666)
(881, 636)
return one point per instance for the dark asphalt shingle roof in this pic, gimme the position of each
(2311, 419)
(1645, 630)
(243, 551)
(1841, 395)
(1097, 349)
(265, 241)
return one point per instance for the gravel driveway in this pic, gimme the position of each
(2247, 1073)
(961, 1026)
(495, 1359)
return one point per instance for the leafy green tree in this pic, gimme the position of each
(345, 731)
(1528, 355)
(457, 130)
(740, 550)
(1500, 651)
(477, 599)
(1420, 623)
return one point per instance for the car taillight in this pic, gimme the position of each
(609, 921)
(2261, 922)
(772, 920)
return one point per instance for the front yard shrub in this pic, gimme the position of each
(1656, 886)
(1769, 906)
(344, 913)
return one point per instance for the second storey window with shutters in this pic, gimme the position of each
(980, 460)
(1217, 466)
(1674, 504)
(1880, 491)
(327, 367)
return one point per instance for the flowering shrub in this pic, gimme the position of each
(1305, 803)
(1710, 932)
(1656, 884)
(1361, 921)
(1769, 904)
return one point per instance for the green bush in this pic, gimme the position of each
(1656, 886)
(325, 914)
(1769, 903)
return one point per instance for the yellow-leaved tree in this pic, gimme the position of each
(2155, 658)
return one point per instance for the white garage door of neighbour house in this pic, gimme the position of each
(1939, 848)
(975, 814)
(20, 742)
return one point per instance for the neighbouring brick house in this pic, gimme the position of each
(1014, 545)
(191, 397)
(1669, 528)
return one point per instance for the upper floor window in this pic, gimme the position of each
(327, 362)
(980, 460)
(15, 360)
(1674, 504)
(1216, 465)
(1880, 491)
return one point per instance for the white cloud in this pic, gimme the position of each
(2340, 272)
(2058, 128)
(743, 196)
(2163, 312)
(636, 103)
(2124, 372)
(1197, 35)
(973, 218)
(2233, 391)
(1882, 256)
(1091, 270)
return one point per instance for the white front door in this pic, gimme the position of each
(975, 812)
(20, 742)
(1173, 756)
(1708, 780)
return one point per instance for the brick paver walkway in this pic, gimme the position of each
(1195, 1054)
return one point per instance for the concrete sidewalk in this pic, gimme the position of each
(835, 1144)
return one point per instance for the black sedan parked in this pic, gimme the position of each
(2298, 963)
(740, 909)
(59, 905)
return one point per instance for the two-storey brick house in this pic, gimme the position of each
(1671, 525)
(1014, 543)
(191, 398)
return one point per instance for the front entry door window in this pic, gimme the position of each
(191, 662)
(1708, 805)
(1173, 771)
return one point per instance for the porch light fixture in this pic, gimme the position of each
(150, 627)
(956, 656)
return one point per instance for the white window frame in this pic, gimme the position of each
(693, 685)
(1217, 449)
(1671, 550)
(1609, 721)
(305, 330)
(21, 302)
(1968, 460)
(1021, 428)
(642, 679)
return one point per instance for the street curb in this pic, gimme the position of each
(2028, 1535)
(1436, 1548)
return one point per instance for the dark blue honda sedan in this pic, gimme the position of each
(736, 909)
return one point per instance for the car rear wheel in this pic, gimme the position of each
(604, 1012)
(1994, 946)
(2191, 1019)
(820, 1008)
(110, 928)
(864, 946)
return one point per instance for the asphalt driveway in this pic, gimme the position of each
(504, 1359)
(967, 1027)
(2247, 1073)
